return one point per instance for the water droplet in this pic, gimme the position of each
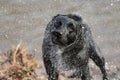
(111, 4)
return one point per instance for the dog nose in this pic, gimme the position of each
(57, 34)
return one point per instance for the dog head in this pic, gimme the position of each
(64, 29)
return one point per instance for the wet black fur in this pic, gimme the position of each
(76, 48)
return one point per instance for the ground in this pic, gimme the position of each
(25, 20)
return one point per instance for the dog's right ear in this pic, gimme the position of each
(75, 17)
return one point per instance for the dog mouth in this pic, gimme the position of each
(60, 39)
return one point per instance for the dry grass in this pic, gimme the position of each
(17, 64)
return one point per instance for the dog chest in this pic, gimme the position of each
(67, 64)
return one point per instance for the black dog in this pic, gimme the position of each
(67, 47)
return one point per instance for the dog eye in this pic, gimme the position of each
(58, 24)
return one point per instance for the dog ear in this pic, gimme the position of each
(55, 16)
(75, 17)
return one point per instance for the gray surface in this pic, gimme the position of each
(25, 20)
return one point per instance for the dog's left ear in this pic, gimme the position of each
(56, 16)
(75, 17)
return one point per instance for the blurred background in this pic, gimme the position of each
(26, 20)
